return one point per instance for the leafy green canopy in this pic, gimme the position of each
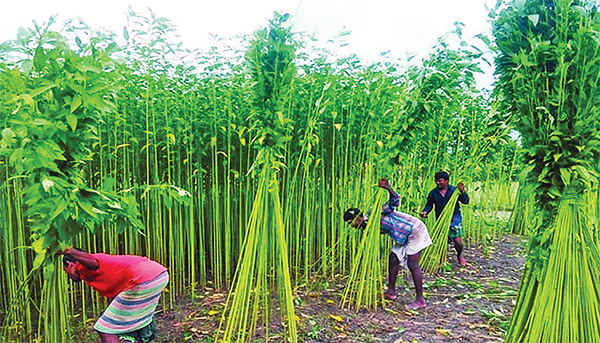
(49, 140)
(549, 72)
(269, 62)
(548, 68)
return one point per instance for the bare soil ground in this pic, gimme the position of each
(465, 304)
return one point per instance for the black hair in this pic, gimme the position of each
(350, 214)
(442, 175)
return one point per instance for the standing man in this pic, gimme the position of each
(410, 236)
(133, 283)
(439, 197)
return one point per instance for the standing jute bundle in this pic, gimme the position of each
(567, 295)
(364, 285)
(263, 271)
(436, 254)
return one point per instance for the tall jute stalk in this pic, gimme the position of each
(549, 72)
(263, 264)
(436, 254)
(572, 302)
(363, 288)
(263, 268)
(522, 215)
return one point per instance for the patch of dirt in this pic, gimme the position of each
(465, 304)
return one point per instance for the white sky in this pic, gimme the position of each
(399, 26)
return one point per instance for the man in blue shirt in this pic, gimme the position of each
(410, 236)
(439, 197)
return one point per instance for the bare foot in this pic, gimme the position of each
(389, 295)
(462, 261)
(416, 304)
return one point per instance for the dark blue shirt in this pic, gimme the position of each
(436, 198)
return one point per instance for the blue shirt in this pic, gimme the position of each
(436, 198)
(396, 224)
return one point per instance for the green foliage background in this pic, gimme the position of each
(131, 149)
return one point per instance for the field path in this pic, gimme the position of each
(465, 304)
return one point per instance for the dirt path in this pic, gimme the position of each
(466, 304)
(470, 304)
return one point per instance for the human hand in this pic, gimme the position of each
(71, 269)
(423, 214)
(461, 187)
(384, 183)
(359, 222)
(63, 249)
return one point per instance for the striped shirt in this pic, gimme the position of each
(396, 224)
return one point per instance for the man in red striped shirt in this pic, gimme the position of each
(134, 283)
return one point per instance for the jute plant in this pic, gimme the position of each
(569, 311)
(263, 266)
(523, 211)
(436, 254)
(363, 288)
(48, 144)
(264, 269)
(549, 75)
(193, 126)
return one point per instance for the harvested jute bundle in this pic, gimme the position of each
(436, 254)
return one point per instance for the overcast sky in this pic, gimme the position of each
(398, 26)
